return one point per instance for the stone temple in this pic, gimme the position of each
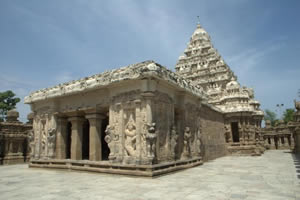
(144, 119)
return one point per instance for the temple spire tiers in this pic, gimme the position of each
(204, 67)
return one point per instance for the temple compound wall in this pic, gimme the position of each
(14, 141)
(278, 137)
(294, 127)
(140, 120)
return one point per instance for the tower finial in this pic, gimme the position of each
(198, 22)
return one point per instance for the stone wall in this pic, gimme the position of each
(213, 139)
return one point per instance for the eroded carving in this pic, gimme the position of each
(130, 137)
(173, 145)
(51, 143)
(186, 143)
(151, 140)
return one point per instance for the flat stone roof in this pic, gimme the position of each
(131, 72)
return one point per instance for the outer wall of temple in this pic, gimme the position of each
(152, 118)
(213, 134)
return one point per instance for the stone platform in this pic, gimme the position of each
(111, 168)
(274, 175)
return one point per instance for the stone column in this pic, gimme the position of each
(272, 145)
(61, 138)
(279, 144)
(95, 121)
(286, 141)
(297, 140)
(77, 131)
(292, 142)
(149, 119)
(138, 120)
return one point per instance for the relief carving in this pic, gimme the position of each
(30, 140)
(186, 143)
(111, 139)
(174, 138)
(130, 137)
(227, 134)
(198, 142)
(151, 140)
(51, 143)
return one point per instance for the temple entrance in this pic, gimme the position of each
(105, 150)
(86, 140)
(68, 140)
(235, 131)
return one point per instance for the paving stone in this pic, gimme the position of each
(271, 176)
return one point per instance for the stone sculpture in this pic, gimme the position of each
(186, 143)
(51, 143)
(130, 137)
(111, 138)
(227, 134)
(174, 138)
(30, 141)
(151, 141)
(198, 142)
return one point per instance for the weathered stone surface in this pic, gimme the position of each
(205, 68)
(271, 176)
(14, 141)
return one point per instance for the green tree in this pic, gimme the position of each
(270, 115)
(8, 101)
(288, 115)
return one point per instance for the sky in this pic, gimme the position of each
(44, 43)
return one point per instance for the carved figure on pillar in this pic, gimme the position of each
(151, 141)
(51, 143)
(30, 140)
(111, 139)
(130, 137)
(241, 133)
(198, 142)
(227, 134)
(174, 137)
(43, 141)
(186, 143)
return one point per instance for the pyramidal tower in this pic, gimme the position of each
(202, 64)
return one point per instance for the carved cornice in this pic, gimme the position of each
(147, 69)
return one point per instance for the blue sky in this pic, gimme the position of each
(43, 43)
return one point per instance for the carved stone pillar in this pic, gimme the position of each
(279, 143)
(297, 140)
(95, 121)
(286, 141)
(138, 120)
(272, 145)
(149, 120)
(61, 140)
(77, 131)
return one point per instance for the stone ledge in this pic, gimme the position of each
(107, 167)
(131, 72)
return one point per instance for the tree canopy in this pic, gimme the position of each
(288, 115)
(8, 101)
(270, 115)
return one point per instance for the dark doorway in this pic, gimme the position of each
(235, 131)
(105, 149)
(68, 140)
(86, 140)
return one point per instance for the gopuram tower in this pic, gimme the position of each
(202, 64)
